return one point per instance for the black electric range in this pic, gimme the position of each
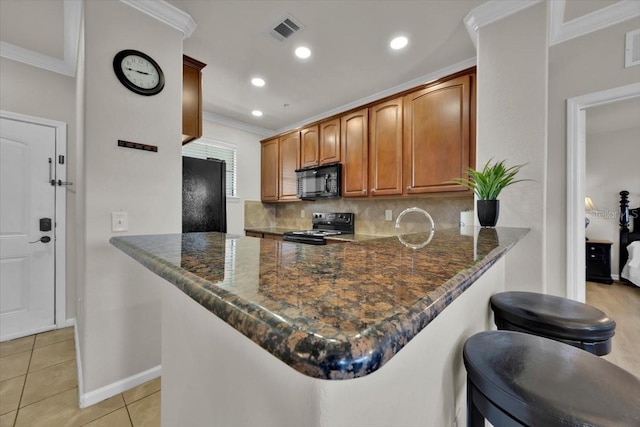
(324, 225)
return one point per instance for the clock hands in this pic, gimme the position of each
(137, 71)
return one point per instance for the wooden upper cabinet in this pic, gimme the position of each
(289, 161)
(191, 99)
(330, 141)
(309, 149)
(385, 148)
(354, 138)
(269, 170)
(436, 136)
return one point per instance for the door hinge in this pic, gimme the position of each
(61, 160)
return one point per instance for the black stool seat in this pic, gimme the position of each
(562, 319)
(517, 379)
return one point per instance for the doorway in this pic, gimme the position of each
(576, 177)
(33, 226)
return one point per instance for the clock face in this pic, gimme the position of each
(138, 72)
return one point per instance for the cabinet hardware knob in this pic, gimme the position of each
(373, 190)
(364, 191)
(408, 187)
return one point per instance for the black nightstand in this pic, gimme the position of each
(599, 261)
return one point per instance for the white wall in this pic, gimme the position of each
(580, 66)
(120, 326)
(36, 92)
(512, 125)
(612, 166)
(248, 169)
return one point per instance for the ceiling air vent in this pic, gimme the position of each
(632, 49)
(284, 29)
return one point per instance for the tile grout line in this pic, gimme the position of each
(24, 384)
(128, 413)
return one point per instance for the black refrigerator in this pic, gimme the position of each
(204, 199)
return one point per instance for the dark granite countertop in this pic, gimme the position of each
(333, 311)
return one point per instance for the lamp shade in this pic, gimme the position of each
(589, 205)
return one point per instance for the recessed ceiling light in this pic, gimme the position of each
(303, 52)
(257, 81)
(399, 42)
(257, 113)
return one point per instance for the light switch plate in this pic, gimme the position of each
(119, 221)
(302, 213)
(388, 215)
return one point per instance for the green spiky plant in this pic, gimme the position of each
(491, 180)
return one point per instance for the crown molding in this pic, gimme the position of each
(166, 13)
(236, 124)
(67, 66)
(492, 11)
(463, 65)
(561, 31)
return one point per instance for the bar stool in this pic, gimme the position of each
(516, 379)
(561, 319)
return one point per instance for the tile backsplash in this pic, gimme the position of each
(370, 214)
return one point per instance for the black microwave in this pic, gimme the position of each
(320, 182)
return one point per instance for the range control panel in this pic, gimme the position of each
(341, 221)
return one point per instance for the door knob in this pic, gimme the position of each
(43, 239)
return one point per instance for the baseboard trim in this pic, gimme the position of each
(68, 323)
(110, 390)
(615, 277)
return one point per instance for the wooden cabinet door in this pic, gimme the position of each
(269, 170)
(309, 147)
(436, 136)
(289, 148)
(330, 141)
(354, 139)
(191, 99)
(385, 148)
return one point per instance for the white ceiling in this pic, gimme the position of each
(351, 56)
(350, 65)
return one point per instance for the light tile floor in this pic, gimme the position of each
(39, 387)
(622, 303)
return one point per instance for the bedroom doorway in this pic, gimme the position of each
(576, 173)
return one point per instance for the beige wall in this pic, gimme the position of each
(512, 125)
(580, 66)
(41, 93)
(120, 327)
(612, 166)
(248, 169)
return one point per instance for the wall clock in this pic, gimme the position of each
(138, 72)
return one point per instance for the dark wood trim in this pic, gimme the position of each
(193, 62)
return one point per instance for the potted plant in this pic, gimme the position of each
(487, 185)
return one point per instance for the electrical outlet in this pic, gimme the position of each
(388, 215)
(302, 213)
(119, 221)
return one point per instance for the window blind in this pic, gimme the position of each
(203, 149)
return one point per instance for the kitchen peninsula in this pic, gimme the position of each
(258, 332)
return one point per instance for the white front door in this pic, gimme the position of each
(27, 248)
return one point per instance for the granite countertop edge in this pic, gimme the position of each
(309, 354)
